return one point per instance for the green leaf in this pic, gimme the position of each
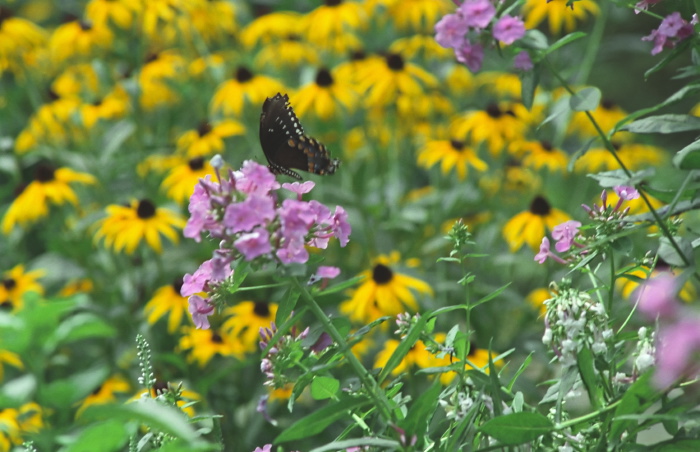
(579, 153)
(673, 54)
(382, 444)
(528, 85)
(517, 428)
(534, 39)
(670, 123)
(585, 100)
(114, 137)
(341, 286)
(589, 376)
(673, 98)
(403, 348)
(571, 37)
(689, 157)
(490, 296)
(110, 435)
(669, 254)
(421, 411)
(678, 445)
(82, 326)
(609, 179)
(324, 387)
(287, 305)
(638, 397)
(320, 419)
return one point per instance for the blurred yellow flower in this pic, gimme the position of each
(208, 138)
(76, 286)
(332, 26)
(540, 154)
(202, 345)
(634, 156)
(180, 182)
(606, 115)
(79, 39)
(497, 125)
(324, 96)
(385, 78)
(18, 37)
(418, 15)
(16, 283)
(78, 80)
(211, 21)
(246, 319)
(52, 124)
(421, 46)
(536, 300)
(557, 13)
(271, 27)
(8, 357)
(167, 301)
(105, 393)
(157, 78)
(287, 52)
(16, 424)
(50, 186)
(529, 227)
(112, 106)
(118, 12)
(452, 154)
(126, 226)
(232, 94)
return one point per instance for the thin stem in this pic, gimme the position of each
(368, 381)
(586, 417)
(594, 41)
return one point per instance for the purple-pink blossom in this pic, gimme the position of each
(254, 244)
(477, 13)
(509, 29)
(451, 30)
(255, 210)
(657, 297)
(471, 55)
(677, 345)
(523, 62)
(671, 31)
(200, 309)
(626, 193)
(565, 234)
(544, 251)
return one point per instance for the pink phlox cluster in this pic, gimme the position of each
(673, 29)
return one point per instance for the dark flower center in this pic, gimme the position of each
(85, 26)
(395, 62)
(53, 95)
(261, 309)
(196, 163)
(44, 174)
(6, 305)
(204, 128)
(358, 55)
(151, 57)
(457, 145)
(146, 209)
(9, 283)
(243, 74)
(215, 338)
(616, 145)
(177, 284)
(160, 387)
(472, 349)
(546, 145)
(293, 37)
(5, 13)
(333, 2)
(607, 104)
(324, 78)
(97, 390)
(494, 111)
(540, 206)
(97, 103)
(381, 274)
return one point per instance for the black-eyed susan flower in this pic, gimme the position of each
(513, 180)
(633, 155)
(160, 20)
(78, 80)
(451, 154)
(51, 124)
(79, 39)
(502, 84)
(10, 358)
(417, 15)
(290, 51)
(117, 12)
(246, 319)
(332, 26)
(558, 14)
(211, 20)
(459, 79)
(76, 286)
(202, 345)
(232, 94)
(157, 77)
(540, 154)
(181, 179)
(49, 187)
(421, 46)
(384, 292)
(16, 283)
(18, 37)
(606, 115)
(529, 227)
(424, 107)
(385, 78)
(208, 138)
(210, 63)
(127, 226)
(271, 27)
(112, 106)
(183, 398)
(324, 96)
(350, 69)
(105, 393)
(16, 424)
(497, 125)
(167, 301)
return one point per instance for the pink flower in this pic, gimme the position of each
(672, 30)
(450, 31)
(477, 13)
(509, 29)
(299, 188)
(254, 211)
(544, 251)
(293, 252)
(523, 62)
(472, 55)
(565, 234)
(296, 217)
(200, 309)
(254, 244)
(657, 297)
(340, 226)
(196, 282)
(626, 193)
(256, 178)
(677, 344)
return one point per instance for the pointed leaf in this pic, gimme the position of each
(670, 123)
(586, 100)
(689, 157)
(517, 428)
(324, 387)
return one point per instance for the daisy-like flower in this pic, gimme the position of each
(76, 286)
(633, 155)
(16, 283)
(271, 27)
(113, 106)
(105, 393)
(50, 124)
(540, 154)
(204, 344)
(558, 14)
(18, 37)
(536, 300)
(8, 357)
(17, 423)
(127, 226)
(246, 319)
(423, 46)
(77, 80)
(50, 187)
(384, 79)
(460, 80)
(497, 125)
(452, 154)
(208, 138)
(211, 20)
(180, 181)
(231, 95)
(383, 292)
(323, 96)
(157, 77)
(418, 15)
(332, 26)
(606, 114)
(118, 12)
(79, 39)
(183, 398)
(160, 20)
(290, 51)
(529, 227)
(167, 301)
(501, 84)
(512, 180)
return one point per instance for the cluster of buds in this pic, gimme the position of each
(404, 322)
(575, 320)
(281, 355)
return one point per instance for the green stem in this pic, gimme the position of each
(586, 417)
(368, 381)
(594, 41)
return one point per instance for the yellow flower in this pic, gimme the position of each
(627, 286)
(76, 286)
(283, 393)
(557, 13)
(212, 63)
(323, 96)
(383, 292)
(536, 300)
(8, 357)
(247, 317)
(118, 12)
(539, 154)
(231, 95)
(52, 124)
(17, 424)
(332, 25)
(184, 399)
(418, 15)
(460, 80)
(421, 46)
(18, 37)
(271, 27)
(497, 125)
(606, 115)
(180, 182)
(423, 107)
(384, 79)
(160, 20)
(453, 154)
(472, 220)
(529, 227)
(78, 80)
(290, 51)
(512, 180)
(348, 71)
(204, 344)
(207, 139)
(211, 20)
(126, 226)
(49, 187)
(501, 84)
(167, 300)
(79, 39)
(157, 78)
(634, 156)
(105, 393)
(16, 283)
(113, 106)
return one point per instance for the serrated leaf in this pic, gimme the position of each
(671, 123)
(586, 100)
(324, 387)
(688, 158)
(517, 428)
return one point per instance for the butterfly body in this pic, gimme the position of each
(285, 145)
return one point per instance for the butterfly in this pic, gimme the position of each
(286, 146)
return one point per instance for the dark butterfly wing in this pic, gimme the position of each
(285, 145)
